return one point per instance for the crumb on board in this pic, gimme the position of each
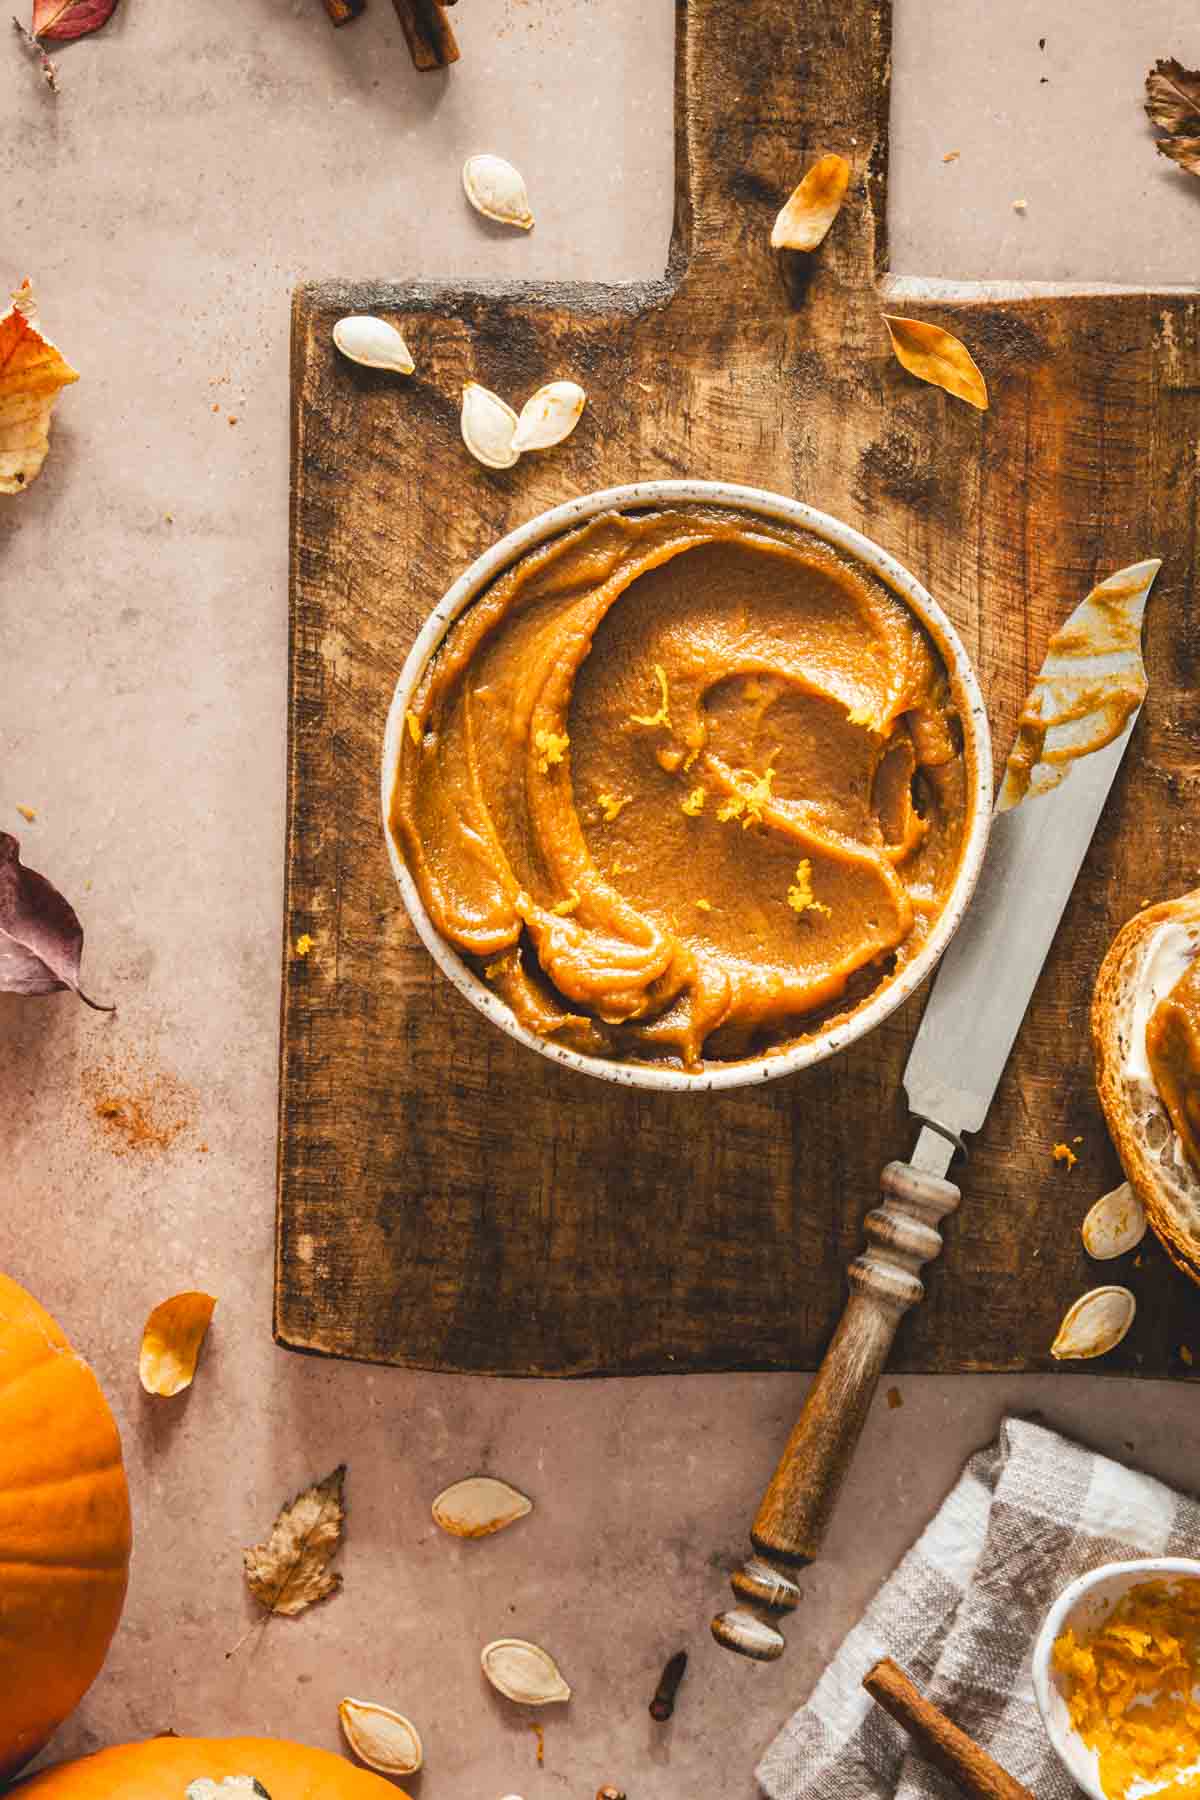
(27, 813)
(952, 156)
(304, 944)
(1185, 1355)
(1063, 1153)
(539, 1732)
(895, 1398)
(1020, 206)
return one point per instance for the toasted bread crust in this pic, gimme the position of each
(1112, 1000)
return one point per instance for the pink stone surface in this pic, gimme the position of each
(198, 162)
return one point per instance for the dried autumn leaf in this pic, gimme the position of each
(291, 1572)
(31, 373)
(41, 939)
(171, 1343)
(1173, 103)
(62, 20)
(938, 357)
(813, 206)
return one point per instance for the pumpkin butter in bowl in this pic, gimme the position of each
(685, 783)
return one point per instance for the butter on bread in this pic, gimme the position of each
(1147, 957)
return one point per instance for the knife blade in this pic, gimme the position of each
(986, 979)
(1051, 800)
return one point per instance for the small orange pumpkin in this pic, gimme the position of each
(64, 1527)
(166, 1768)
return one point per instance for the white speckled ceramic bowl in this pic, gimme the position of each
(1084, 1606)
(755, 501)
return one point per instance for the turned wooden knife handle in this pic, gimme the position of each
(902, 1235)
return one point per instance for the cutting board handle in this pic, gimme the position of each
(787, 1533)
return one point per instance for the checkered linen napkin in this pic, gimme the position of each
(1028, 1514)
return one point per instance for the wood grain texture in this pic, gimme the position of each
(446, 1198)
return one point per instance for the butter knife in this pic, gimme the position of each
(980, 994)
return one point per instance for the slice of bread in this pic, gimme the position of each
(1146, 959)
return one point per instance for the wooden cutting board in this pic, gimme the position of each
(450, 1200)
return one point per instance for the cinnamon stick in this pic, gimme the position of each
(431, 43)
(937, 1740)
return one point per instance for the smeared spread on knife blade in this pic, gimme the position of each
(683, 784)
(1091, 682)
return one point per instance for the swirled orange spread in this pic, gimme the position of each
(683, 785)
(1173, 1053)
(1130, 1690)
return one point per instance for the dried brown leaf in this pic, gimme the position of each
(31, 373)
(1173, 96)
(41, 939)
(813, 206)
(291, 1572)
(938, 357)
(62, 20)
(1173, 104)
(171, 1343)
(1182, 150)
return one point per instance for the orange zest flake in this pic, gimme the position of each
(800, 895)
(27, 813)
(414, 727)
(611, 807)
(304, 944)
(751, 802)
(551, 745)
(568, 905)
(662, 716)
(1063, 1153)
(693, 806)
(1130, 1688)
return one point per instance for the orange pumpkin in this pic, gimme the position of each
(165, 1768)
(64, 1527)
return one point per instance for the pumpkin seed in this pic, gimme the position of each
(383, 1739)
(523, 1672)
(373, 343)
(497, 190)
(488, 424)
(232, 1786)
(1095, 1324)
(1115, 1225)
(478, 1506)
(813, 206)
(549, 416)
